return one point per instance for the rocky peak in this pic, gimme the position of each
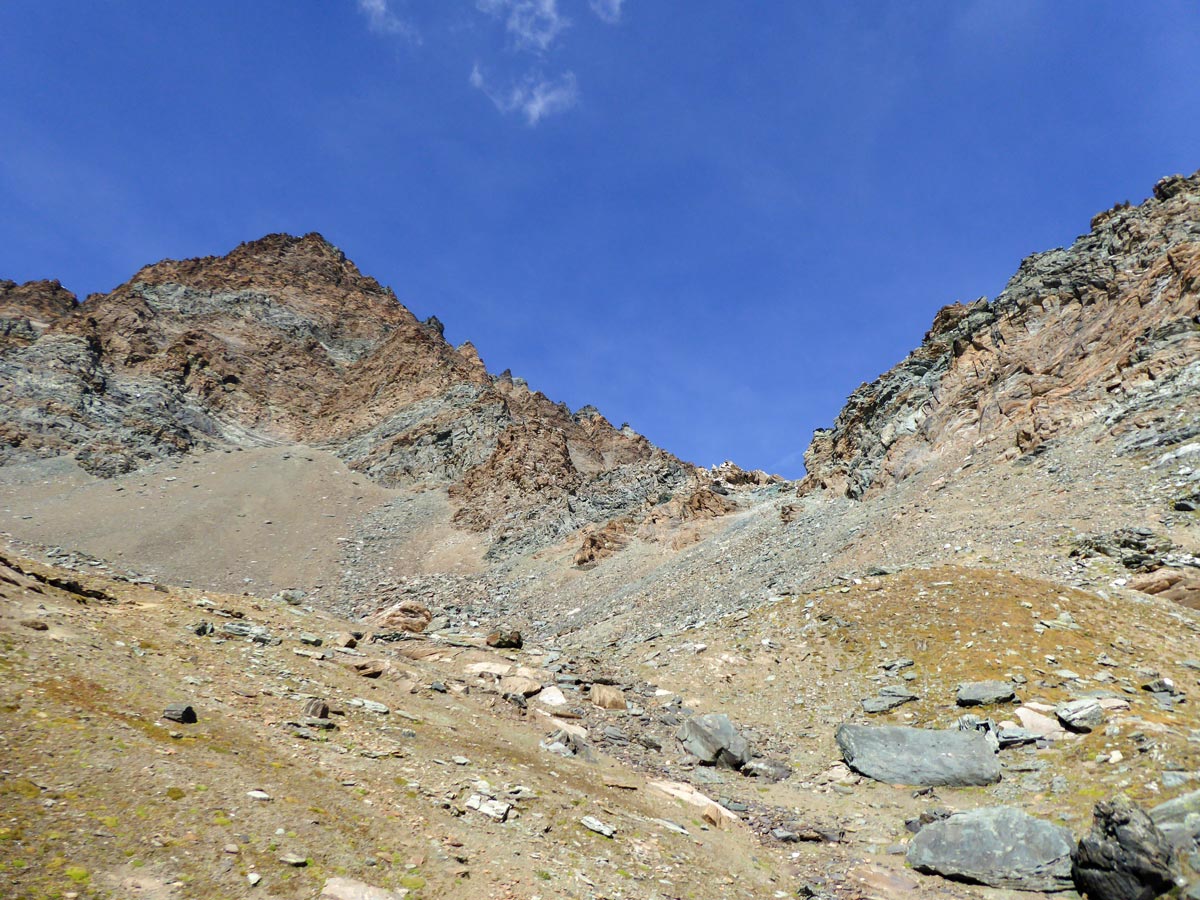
(40, 301)
(1093, 330)
(284, 340)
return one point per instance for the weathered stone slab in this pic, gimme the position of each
(1000, 847)
(919, 756)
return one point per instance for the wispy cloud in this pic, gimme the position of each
(382, 20)
(533, 24)
(535, 97)
(608, 10)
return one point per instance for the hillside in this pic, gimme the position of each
(254, 482)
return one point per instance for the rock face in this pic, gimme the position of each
(919, 756)
(1000, 847)
(1101, 328)
(1124, 856)
(283, 340)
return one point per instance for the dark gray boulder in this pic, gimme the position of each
(919, 756)
(1124, 856)
(985, 693)
(713, 740)
(1000, 847)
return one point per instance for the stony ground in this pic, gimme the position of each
(104, 798)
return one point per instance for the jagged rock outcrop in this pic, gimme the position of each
(1106, 328)
(284, 340)
(26, 310)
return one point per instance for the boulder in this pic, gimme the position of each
(919, 756)
(505, 639)
(316, 708)
(407, 615)
(607, 697)
(1179, 819)
(985, 693)
(1000, 847)
(519, 684)
(180, 712)
(552, 696)
(713, 740)
(367, 668)
(1080, 715)
(1124, 856)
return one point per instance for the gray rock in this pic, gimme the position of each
(1175, 779)
(767, 769)
(1179, 819)
(1016, 737)
(315, 708)
(1000, 847)
(1080, 715)
(894, 666)
(985, 693)
(889, 697)
(563, 743)
(370, 705)
(919, 756)
(490, 807)
(713, 740)
(591, 823)
(1176, 810)
(180, 712)
(1124, 856)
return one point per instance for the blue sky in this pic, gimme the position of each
(711, 220)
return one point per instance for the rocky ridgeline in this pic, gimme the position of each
(284, 340)
(1105, 329)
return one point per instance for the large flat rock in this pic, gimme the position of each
(919, 756)
(1000, 847)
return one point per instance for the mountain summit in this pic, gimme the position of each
(283, 340)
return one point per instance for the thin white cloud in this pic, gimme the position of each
(608, 10)
(535, 97)
(533, 24)
(382, 20)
